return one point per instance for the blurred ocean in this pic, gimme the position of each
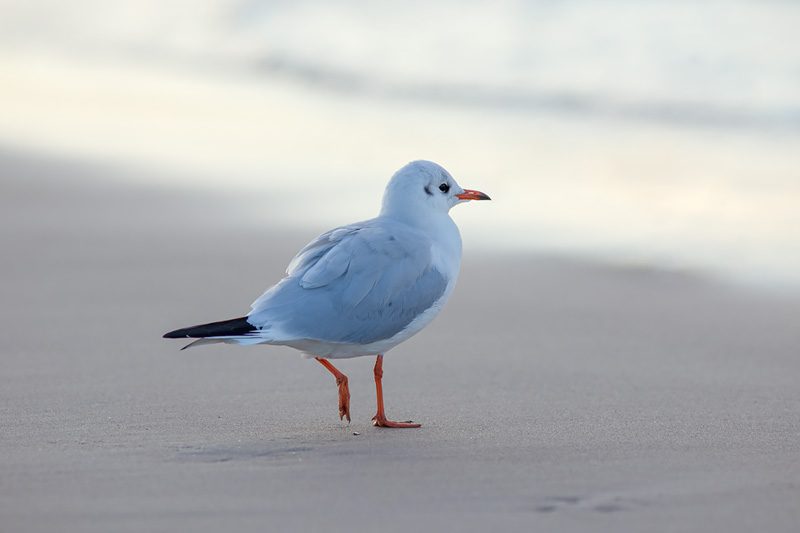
(651, 133)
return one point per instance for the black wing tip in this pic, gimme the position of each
(226, 328)
(177, 334)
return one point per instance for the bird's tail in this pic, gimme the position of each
(235, 330)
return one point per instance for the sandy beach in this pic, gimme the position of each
(553, 395)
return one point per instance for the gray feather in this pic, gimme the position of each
(355, 284)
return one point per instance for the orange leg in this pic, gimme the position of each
(380, 418)
(344, 390)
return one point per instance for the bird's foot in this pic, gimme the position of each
(344, 398)
(344, 390)
(380, 417)
(380, 421)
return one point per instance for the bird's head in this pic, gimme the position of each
(422, 188)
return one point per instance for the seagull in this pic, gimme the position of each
(363, 288)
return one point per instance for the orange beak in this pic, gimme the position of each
(469, 194)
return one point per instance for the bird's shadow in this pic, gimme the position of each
(241, 452)
(600, 503)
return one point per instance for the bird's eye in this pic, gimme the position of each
(444, 187)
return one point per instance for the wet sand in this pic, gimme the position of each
(553, 395)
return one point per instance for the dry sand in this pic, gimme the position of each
(554, 395)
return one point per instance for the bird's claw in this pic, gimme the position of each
(382, 422)
(344, 398)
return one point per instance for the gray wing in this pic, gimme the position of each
(355, 284)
